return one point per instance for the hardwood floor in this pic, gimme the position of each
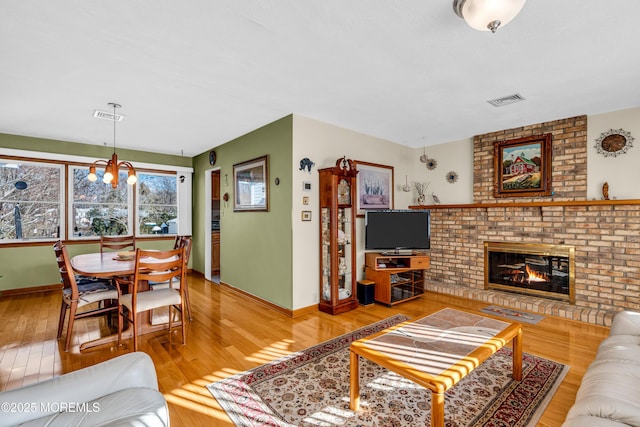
(230, 334)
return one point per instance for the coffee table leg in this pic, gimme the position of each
(517, 356)
(437, 409)
(354, 381)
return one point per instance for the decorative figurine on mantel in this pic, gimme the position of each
(421, 188)
(605, 191)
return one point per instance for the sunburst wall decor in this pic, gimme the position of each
(614, 142)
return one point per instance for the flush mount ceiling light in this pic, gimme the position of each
(487, 15)
(111, 167)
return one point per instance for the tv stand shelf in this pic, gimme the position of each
(397, 278)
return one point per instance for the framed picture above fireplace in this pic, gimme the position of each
(522, 167)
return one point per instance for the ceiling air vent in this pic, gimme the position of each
(107, 116)
(505, 100)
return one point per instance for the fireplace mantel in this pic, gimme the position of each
(559, 203)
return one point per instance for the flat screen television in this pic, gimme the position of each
(397, 231)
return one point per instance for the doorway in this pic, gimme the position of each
(215, 226)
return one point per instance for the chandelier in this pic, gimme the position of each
(487, 15)
(111, 167)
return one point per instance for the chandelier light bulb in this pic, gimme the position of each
(108, 177)
(132, 178)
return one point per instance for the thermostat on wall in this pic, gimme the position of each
(306, 186)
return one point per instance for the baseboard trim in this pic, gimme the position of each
(287, 312)
(31, 290)
(305, 310)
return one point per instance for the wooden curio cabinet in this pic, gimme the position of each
(337, 235)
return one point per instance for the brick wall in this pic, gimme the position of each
(606, 237)
(569, 159)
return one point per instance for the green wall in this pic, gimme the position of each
(31, 266)
(63, 147)
(256, 247)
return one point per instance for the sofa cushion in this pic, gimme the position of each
(609, 390)
(583, 421)
(132, 406)
(624, 348)
(625, 323)
(129, 371)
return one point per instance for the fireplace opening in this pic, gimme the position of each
(532, 269)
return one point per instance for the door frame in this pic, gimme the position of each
(208, 191)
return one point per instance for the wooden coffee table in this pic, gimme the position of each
(436, 351)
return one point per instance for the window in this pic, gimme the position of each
(157, 204)
(30, 200)
(97, 208)
(44, 200)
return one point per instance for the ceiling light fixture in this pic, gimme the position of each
(111, 167)
(485, 15)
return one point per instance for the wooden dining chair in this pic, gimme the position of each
(152, 266)
(118, 243)
(186, 242)
(80, 291)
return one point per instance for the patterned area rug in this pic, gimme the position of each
(311, 388)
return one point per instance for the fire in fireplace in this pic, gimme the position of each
(532, 269)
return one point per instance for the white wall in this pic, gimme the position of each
(621, 172)
(456, 156)
(324, 144)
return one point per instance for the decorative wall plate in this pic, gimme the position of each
(614, 142)
(452, 177)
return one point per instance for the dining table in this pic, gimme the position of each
(108, 265)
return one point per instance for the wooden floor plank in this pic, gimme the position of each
(230, 334)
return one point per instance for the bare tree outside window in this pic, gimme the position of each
(98, 208)
(30, 200)
(32, 197)
(157, 204)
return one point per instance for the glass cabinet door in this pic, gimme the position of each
(345, 248)
(326, 254)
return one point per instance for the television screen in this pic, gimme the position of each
(393, 230)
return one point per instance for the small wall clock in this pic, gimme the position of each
(212, 157)
(614, 142)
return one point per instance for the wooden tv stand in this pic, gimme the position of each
(397, 278)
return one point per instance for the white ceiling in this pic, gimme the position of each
(194, 74)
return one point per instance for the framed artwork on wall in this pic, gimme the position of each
(522, 167)
(250, 183)
(374, 187)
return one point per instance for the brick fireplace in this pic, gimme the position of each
(605, 234)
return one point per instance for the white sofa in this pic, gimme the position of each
(119, 392)
(609, 394)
